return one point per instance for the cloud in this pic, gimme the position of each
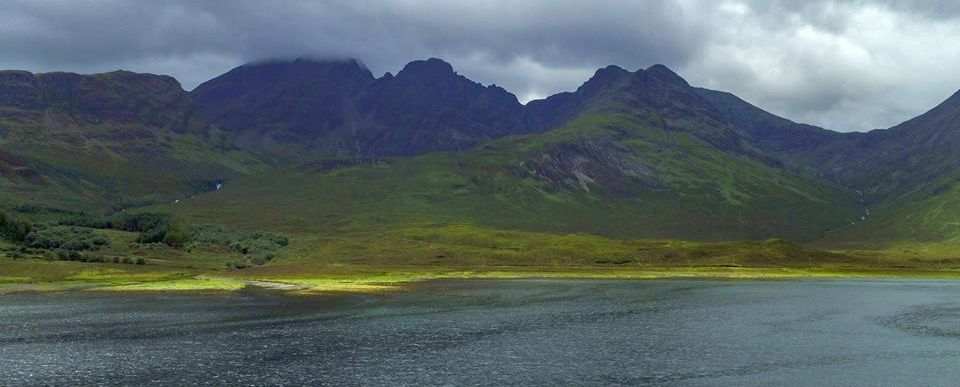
(845, 65)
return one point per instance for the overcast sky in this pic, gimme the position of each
(844, 65)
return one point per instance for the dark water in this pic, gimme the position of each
(496, 333)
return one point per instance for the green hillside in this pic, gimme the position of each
(554, 182)
(928, 217)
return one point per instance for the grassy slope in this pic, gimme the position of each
(685, 189)
(490, 207)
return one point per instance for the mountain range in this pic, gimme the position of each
(326, 148)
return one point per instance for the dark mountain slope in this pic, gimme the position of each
(804, 147)
(915, 157)
(428, 107)
(308, 109)
(884, 164)
(286, 108)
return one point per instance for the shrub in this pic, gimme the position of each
(258, 248)
(144, 222)
(88, 220)
(65, 238)
(239, 264)
(152, 236)
(153, 227)
(67, 255)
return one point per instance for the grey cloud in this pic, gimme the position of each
(846, 65)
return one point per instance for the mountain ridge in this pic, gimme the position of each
(645, 142)
(619, 137)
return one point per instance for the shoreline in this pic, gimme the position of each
(386, 281)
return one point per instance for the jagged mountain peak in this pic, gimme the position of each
(616, 79)
(611, 71)
(603, 78)
(338, 109)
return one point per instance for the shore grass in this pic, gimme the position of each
(374, 282)
(379, 262)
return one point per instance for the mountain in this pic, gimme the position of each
(99, 141)
(307, 109)
(628, 155)
(326, 148)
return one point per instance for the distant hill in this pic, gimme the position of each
(101, 141)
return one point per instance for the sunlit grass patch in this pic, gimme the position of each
(117, 275)
(179, 285)
(7, 279)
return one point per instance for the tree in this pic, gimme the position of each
(178, 235)
(14, 229)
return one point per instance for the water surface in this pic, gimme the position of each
(516, 332)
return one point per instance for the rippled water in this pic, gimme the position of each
(515, 332)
